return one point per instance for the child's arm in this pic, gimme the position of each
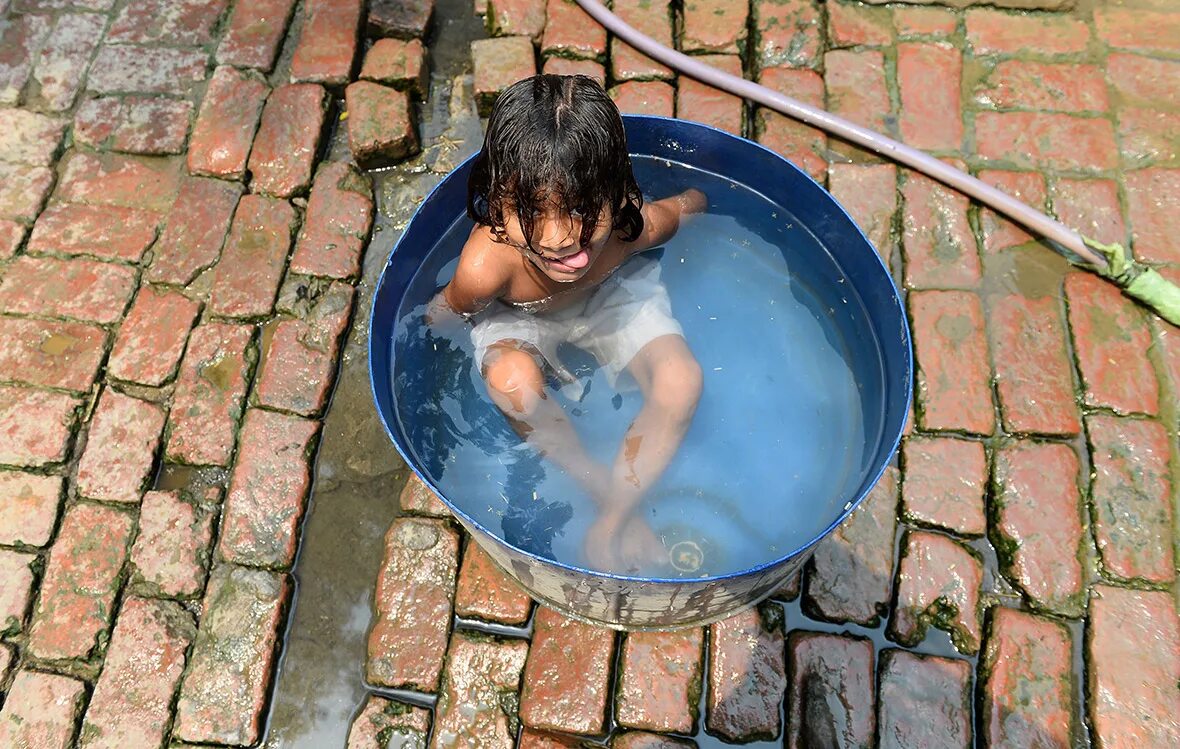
(480, 278)
(662, 218)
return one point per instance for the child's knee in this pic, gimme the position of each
(677, 385)
(513, 375)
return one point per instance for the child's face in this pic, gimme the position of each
(556, 249)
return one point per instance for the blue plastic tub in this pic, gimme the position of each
(655, 603)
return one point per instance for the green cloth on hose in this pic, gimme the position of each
(1139, 281)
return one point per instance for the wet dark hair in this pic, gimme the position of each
(555, 138)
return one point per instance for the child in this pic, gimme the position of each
(557, 212)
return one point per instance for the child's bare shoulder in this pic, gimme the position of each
(483, 273)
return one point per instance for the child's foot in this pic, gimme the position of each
(639, 546)
(602, 544)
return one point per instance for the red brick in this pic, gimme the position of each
(254, 32)
(851, 573)
(713, 26)
(938, 242)
(136, 124)
(567, 676)
(327, 44)
(402, 19)
(184, 23)
(660, 680)
(945, 482)
(132, 700)
(247, 277)
(1056, 141)
(20, 40)
(381, 718)
(29, 138)
(7, 658)
(701, 103)
(115, 179)
(924, 701)
(1111, 339)
(50, 354)
(23, 190)
(417, 499)
(81, 582)
(563, 66)
(747, 675)
(1033, 371)
(173, 543)
(381, 128)
(225, 126)
(151, 339)
(300, 360)
(929, 79)
(954, 378)
(28, 508)
(869, 193)
(1133, 654)
(856, 89)
(1130, 492)
(836, 673)
(415, 592)
(64, 58)
(104, 232)
(40, 711)
(122, 442)
(268, 490)
(516, 18)
(1153, 205)
(804, 146)
(1147, 136)
(1142, 80)
(209, 393)
(938, 583)
(855, 25)
(479, 690)
(285, 147)
(223, 696)
(1138, 29)
(398, 63)
(998, 232)
(1091, 207)
(196, 228)
(787, 32)
(789, 590)
(571, 32)
(651, 17)
(486, 593)
(644, 97)
(1065, 87)
(1028, 690)
(11, 236)
(146, 70)
(1000, 32)
(498, 63)
(1038, 525)
(530, 739)
(35, 426)
(924, 21)
(645, 740)
(17, 569)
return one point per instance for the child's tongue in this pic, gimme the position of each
(576, 261)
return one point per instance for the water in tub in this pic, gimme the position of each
(778, 442)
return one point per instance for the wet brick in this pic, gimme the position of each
(1036, 140)
(132, 700)
(1138, 29)
(477, 704)
(34, 426)
(64, 59)
(247, 278)
(40, 711)
(856, 91)
(1091, 207)
(23, 190)
(571, 32)
(415, 591)
(652, 18)
(28, 508)
(1143, 80)
(136, 124)
(787, 32)
(115, 179)
(285, 147)
(209, 393)
(381, 128)
(588, 68)
(803, 145)
(184, 23)
(29, 138)
(1027, 691)
(146, 70)
(789, 590)
(954, 390)
(268, 490)
(74, 609)
(20, 40)
(1148, 137)
(328, 42)
(708, 105)
(530, 739)
(225, 126)
(938, 241)
(567, 676)
(924, 21)
(929, 76)
(851, 573)
(11, 236)
(1111, 339)
(1038, 531)
(938, 583)
(1029, 187)
(516, 18)
(120, 448)
(869, 193)
(487, 593)
(50, 354)
(945, 481)
(645, 740)
(104, 232)
(401, 19)
(859, 25)
(1153, 197)
(417, 499)
(830, 691)
(401, 64)
(384, 722)
(1130, 492)
(1062, 87)
(171, 552)
(644, 97)
(17, 569)
(228, 678)
(1133, 654)
(151, 339)
(713, 26)
(254, 32)
(925, 701)
(1000, 32)
(197, 225)
(747, 675)
(659, 685)
(498, 63)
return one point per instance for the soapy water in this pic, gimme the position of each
(779, 443)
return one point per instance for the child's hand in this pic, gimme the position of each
(440, 316)
(692, 200)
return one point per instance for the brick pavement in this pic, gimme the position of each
(177, 270)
